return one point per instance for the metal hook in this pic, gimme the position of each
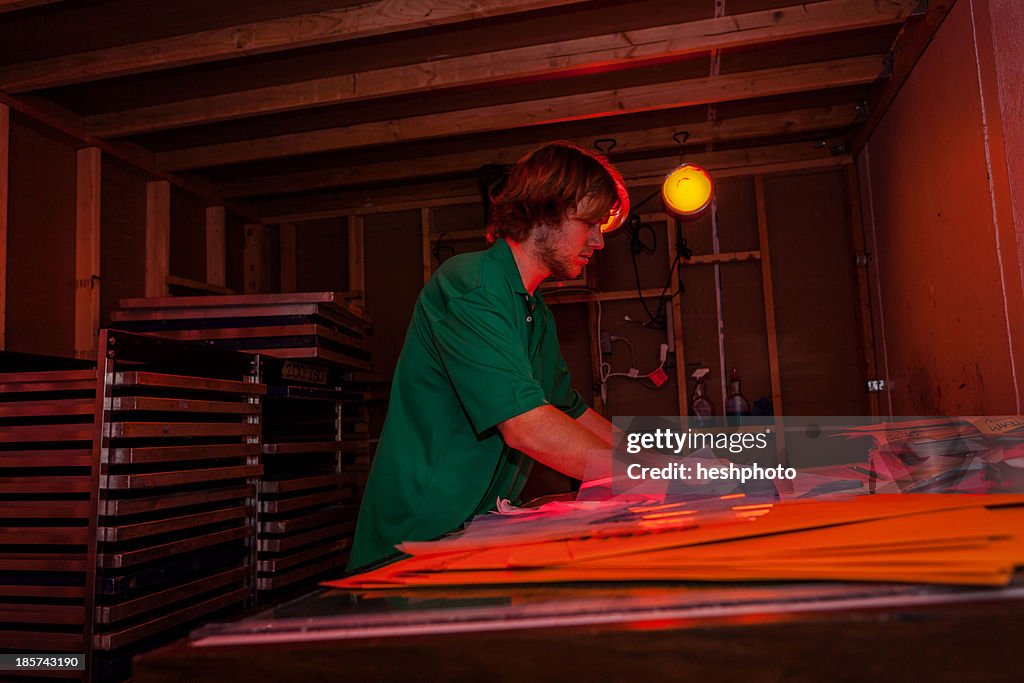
(604, 145)
(680, 137)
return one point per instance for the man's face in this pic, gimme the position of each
(566, 248)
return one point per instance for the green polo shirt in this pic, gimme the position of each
(479, 350)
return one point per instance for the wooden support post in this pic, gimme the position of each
(255, 274)
(288, 257)
(158, 237)
(677, 319)
(5, 138)
(769, 318)
(87, 252)
(428, 265)
(861, 274)
(356, 258)
(593, 326)
(216, 250)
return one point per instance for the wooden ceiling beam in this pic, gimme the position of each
(767, 159)
(544, 61)
(669, 95)
(12, 5)
(363, 20)
(802, 120)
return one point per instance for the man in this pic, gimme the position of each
(481, 388)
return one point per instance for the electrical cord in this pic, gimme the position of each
(605, 368)
(440, 248)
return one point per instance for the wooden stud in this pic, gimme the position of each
(356, 258)
(668, 95)
(253, 261)
(545, 61)
(818, 118)
(594, 330)
(428, 264)
(860, 273)
(158, 237)
(5, 145)
(87, 251)
(216, 246)
(682, 379)
(362, 20)
(288, 258)
(769, 319)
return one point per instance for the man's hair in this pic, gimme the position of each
(548, 184)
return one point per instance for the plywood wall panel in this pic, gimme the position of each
(234, 252)
(188, 236)
(457, 218)
(614, 264)
(122, 236)
(812, 261)
(41, 244)
(628, 396)
(946, 330)
(321, 249)
(737, 215)
(746, 345)
(571, 324)
(394, 277)
(700, 331)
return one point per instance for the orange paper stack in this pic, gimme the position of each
(950, 539)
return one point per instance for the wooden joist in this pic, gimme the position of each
(357, 21)
(667, 95)
(548, 60)
(909, 47)
(749, 161)
(12, 5)
(762, 125)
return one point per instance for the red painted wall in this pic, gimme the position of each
(947, 290)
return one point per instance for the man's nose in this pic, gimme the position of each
(596, 239)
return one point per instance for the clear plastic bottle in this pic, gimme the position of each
(736, 405)
(700, 405)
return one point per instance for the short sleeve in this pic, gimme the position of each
(483, 354)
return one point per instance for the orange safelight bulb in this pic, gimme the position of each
(687, 190)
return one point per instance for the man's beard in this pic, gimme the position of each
(560, 266)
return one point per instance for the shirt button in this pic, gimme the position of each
(529, 318)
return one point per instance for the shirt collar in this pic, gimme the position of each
(507, 262)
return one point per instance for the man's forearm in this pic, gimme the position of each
(596, 424)
(551, 437)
